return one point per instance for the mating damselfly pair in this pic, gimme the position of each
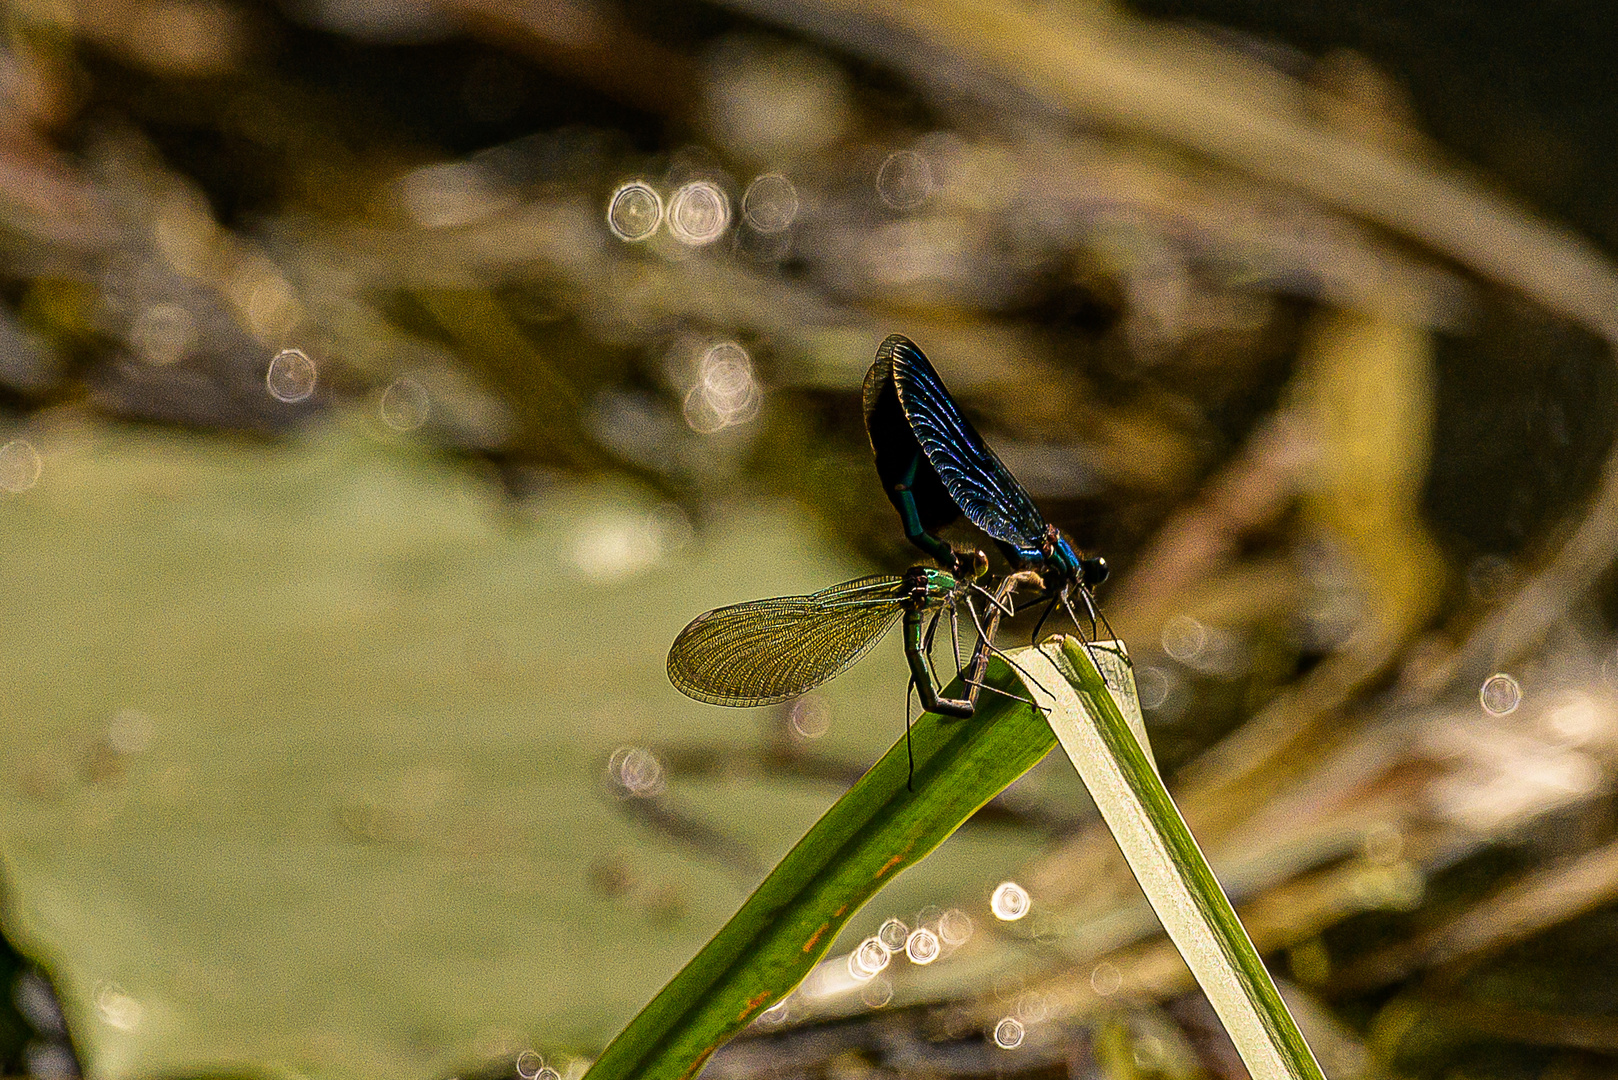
(935, 468)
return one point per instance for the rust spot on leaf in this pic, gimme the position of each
(814, 937)
(696, 1066)
(838, 914)
(896, 860)
(752, 1003)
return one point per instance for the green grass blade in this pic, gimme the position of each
(878, 828)
(1107, 752)
(871, 834)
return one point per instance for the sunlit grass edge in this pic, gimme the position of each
(1171, 869)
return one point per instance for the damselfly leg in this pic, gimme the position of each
(927, 645)
(999, 605)
(1040, 625)
(955, 634)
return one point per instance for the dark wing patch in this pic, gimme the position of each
(767, 651)
(894, 447)
(982, 487)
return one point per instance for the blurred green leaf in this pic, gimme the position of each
(305, 746)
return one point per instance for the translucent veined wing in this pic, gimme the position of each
(981, 486)
(767, 651)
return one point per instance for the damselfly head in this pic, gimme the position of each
(971, 565)
(1094, 571)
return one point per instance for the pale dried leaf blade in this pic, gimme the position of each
(1107, 751)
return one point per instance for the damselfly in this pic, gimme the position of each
(766, 651)
(935, 467)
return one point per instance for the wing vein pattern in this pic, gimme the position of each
(766, 651)
(981, 486)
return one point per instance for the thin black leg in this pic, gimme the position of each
(1040, 625)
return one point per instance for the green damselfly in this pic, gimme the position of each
(766, 651)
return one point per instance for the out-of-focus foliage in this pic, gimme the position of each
(319, 775)
(1338, 411)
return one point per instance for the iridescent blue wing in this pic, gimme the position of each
(765, 651)
(895, 449)
(980, 485)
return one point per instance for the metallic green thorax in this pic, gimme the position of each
(928, 588)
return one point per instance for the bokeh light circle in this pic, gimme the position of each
(1009, 902)
(922, 946)
(1500, 694)
(770, 204)
(698, 213)
(1008, 1033)
(291, 376)
(635, 211)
